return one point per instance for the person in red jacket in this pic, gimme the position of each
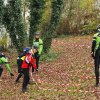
(28, 62)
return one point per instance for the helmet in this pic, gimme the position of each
(37, 33)
(26, 50)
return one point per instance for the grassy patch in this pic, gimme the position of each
(51, 56)
(63, 36)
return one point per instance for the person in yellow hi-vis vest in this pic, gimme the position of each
(95, 53)
(4, 60)
(37, 43)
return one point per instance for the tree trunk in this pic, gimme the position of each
(55, 17)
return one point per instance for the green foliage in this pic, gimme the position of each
(3, 43)
(1, 11)
(45, 17)
(87, 4)
(13, 23)
(36, 10)
(78, 14)
(55, 16)
(51, 56)
(90, 28)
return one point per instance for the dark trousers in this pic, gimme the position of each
(37, 62)
(26, 78)
(20, 71)
(97, 62)
(19, 76)
(1, 70)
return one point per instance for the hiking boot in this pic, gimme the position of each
(24, 90)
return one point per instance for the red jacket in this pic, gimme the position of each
(29, 61)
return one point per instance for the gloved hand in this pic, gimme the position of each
(92, 55)
(11, 74)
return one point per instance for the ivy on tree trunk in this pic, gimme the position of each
(13, 23)
(1, 11)
(56, 12)
(36, 10)
(12, 20)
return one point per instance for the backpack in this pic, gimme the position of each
(20, 59)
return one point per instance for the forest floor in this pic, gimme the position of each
(69, 77)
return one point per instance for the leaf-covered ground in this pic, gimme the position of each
(69, 77)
